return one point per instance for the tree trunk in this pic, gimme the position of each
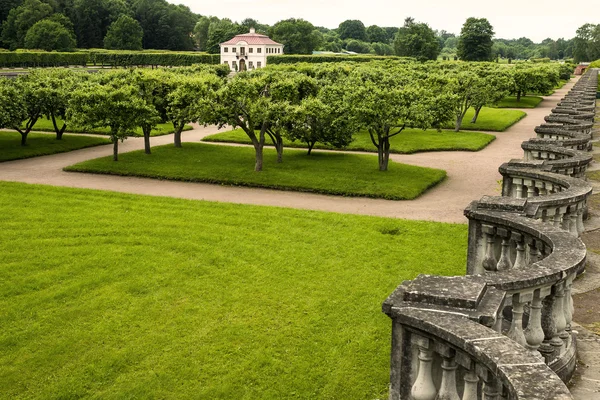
(477, 110)
(24, 137)
(310, 146)
(384, 150)
(458, 124)
(59, 132)
(115, 149)
(258, 148)
(177, 136)
(146, 130)
(279, 147)
(518, 96)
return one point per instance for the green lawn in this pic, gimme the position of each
(45, 125)
(408, 142)
(41, 144)
(525, 102)
(490, 119)
(330, 173)
(114, 296)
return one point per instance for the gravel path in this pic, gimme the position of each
(471, 175)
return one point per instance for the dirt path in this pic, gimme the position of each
(471, 175)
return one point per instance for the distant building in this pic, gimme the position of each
(249, 51)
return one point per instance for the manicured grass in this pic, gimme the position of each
(330, 173)
(408, 142)
(41, 144)
(490, 119)
(113, 296)
(525, 102)
(45, 125)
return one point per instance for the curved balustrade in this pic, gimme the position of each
(503, 331)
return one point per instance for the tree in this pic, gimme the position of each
(352, 29)
(416, 40)
(466, 86)
(13, 111)
(298, 36)
(376, 34)
(358, 46)
(201, 32)
(475, 42)
(54, 88)
(383, 105)
(586, 44)
(28, 89)
(119, 108)
(49, 35)
(219, 32)
(495, 85)
(190, 99)
(124, 34)
(21, 19)
(535, 79)
(92, 19)
(317, 119)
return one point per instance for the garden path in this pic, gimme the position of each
(471, 175)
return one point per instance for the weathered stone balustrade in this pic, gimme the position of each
(504, 330)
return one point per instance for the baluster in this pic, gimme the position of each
(580, 226)
(489, 261)
(504, 263)
(558, 218)
(530, 188)
(518, 188)
(471, 386)
(448, 386)
(516, 327)
(573, 221)
(534, 332)
(520, 259)
(550, 323)
(543, 189)
(424, 388)
(561, 323)
(491, 390)
(533, 251)
(569, 308)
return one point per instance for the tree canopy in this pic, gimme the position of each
(124, 34)
(417, 40)
(298, 36)
(475, 42)
(49, 35)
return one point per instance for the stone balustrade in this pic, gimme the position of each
(503, 331)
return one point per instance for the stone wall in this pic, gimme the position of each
(503, 331)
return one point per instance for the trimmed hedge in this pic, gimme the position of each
(116, 59)
(292, 59)
(41, 59)
(170, 59)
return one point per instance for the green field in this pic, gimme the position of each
(115, 296)
(45, 125)
(408, 142)
(490, 119)
(525, 102)
(41, 144)
(330, 173)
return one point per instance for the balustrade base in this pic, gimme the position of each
(565, 365)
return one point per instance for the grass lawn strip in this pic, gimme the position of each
(109, 295)
(322, 172)
(45, 125)
(525, 102)
(41, 144)
(408, 142)
(490, 119)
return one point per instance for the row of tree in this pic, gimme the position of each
(326, 103)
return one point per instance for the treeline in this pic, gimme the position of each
(33, 59)
(326, 103)
(112, 24)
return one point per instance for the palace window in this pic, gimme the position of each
(250, 50)
(259, 50)
(225, 49)
(258, 64)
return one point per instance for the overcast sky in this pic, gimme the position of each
(535, 19)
